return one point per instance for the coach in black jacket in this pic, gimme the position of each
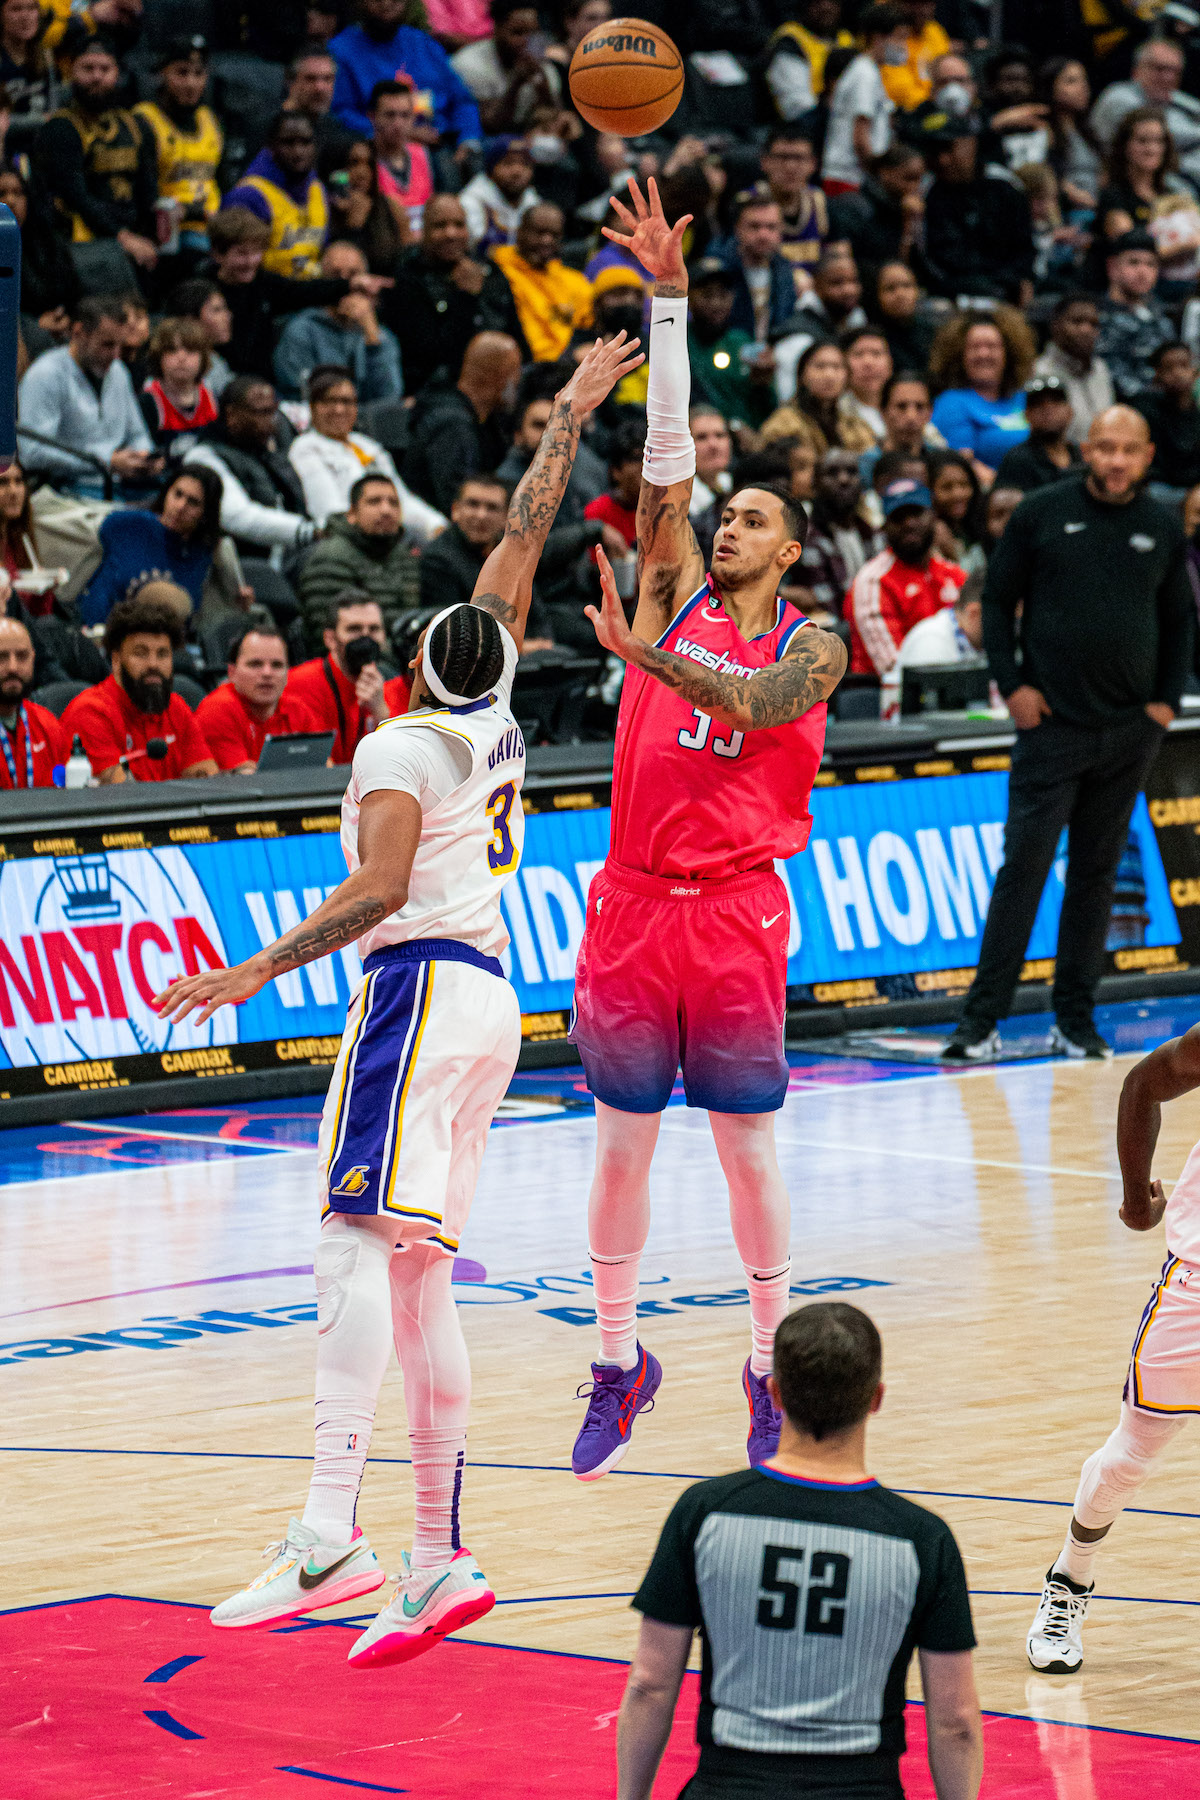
(1092, 681)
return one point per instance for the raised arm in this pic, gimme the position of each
(670, 566)
(1168, 1072)
(811, 668)
(505, 584)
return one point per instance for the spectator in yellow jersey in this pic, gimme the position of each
(190, 144)
(552, 301)
(909, 84)
(97, 162)
(796, 55)
(281, 189)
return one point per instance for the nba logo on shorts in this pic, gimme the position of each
(352, 1441)
(354, 1181)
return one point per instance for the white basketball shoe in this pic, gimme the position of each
(1055, 1642)
(304, 1576)
(426, 1607)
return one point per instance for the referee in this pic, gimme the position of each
(811, 1586)
(1092, 677)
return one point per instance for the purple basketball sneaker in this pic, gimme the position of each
(615, 1399)
(765, 1421)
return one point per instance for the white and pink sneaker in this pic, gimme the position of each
(427, 1606)
(304, 1575)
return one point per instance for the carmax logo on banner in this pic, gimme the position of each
(86, 941)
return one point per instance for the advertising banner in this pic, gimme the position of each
(888, 901)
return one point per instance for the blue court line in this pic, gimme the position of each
(1130, 1599)
(1149, 1512)
(547, 1599)
(173, 1668)
(167, 1723)
(341, 1780)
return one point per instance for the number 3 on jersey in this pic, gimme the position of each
(503, 855)
(696, 740)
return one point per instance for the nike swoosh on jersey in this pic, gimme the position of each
(1070, 528)
(309, 1577)
(772, 919)
(410, 1611)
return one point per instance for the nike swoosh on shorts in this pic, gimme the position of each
(772, 919)
(311, 1578)
(410, 1611)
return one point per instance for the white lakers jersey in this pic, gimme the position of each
(464, 765)
(1182, 1217)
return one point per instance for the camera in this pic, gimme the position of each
(358, 653)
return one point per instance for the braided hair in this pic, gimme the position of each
(467, 651)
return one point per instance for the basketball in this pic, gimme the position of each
(627, 77)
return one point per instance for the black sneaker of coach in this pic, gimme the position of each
(1080, 1040)
(972, 1042)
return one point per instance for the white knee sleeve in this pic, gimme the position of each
(335, 1261)
(1112, 1476)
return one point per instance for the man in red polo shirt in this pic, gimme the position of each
(32, 742)
(132, 726)
(238, 717)
(348, 705)
(902, 585)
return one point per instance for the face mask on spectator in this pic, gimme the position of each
(545, 147)
(954, 98)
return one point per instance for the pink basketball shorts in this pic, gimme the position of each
(678, 973)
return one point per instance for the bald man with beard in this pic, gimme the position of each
(461, 431)
(1106, 642)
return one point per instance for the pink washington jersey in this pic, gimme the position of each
(694, 798)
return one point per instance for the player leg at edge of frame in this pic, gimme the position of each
(1111, 1477)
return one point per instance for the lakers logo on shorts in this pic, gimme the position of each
(353, 1182)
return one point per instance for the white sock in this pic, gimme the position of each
(768, 1308)
(437, 1393)
(437, 1463)
(353, 1347)
(615, 1284)
(1075, 1559)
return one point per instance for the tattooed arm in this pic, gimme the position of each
(811, 668)
(505, 585)
(670, 566)
(389, 830)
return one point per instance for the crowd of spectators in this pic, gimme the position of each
(299, 284)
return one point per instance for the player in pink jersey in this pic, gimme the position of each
(684, 954)
(1162, 1387)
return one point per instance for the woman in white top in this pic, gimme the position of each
(330, 456)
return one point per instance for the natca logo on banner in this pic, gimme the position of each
(86, 941)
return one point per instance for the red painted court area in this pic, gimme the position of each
(116, 1696)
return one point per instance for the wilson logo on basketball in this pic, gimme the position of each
(620, 40)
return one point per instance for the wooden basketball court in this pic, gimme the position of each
(156, 1349)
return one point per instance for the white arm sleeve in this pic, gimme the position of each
(670, 454)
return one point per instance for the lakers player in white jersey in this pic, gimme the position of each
(1162, 1387)
(432, 826)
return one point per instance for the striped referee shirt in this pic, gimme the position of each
(810, 1598)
